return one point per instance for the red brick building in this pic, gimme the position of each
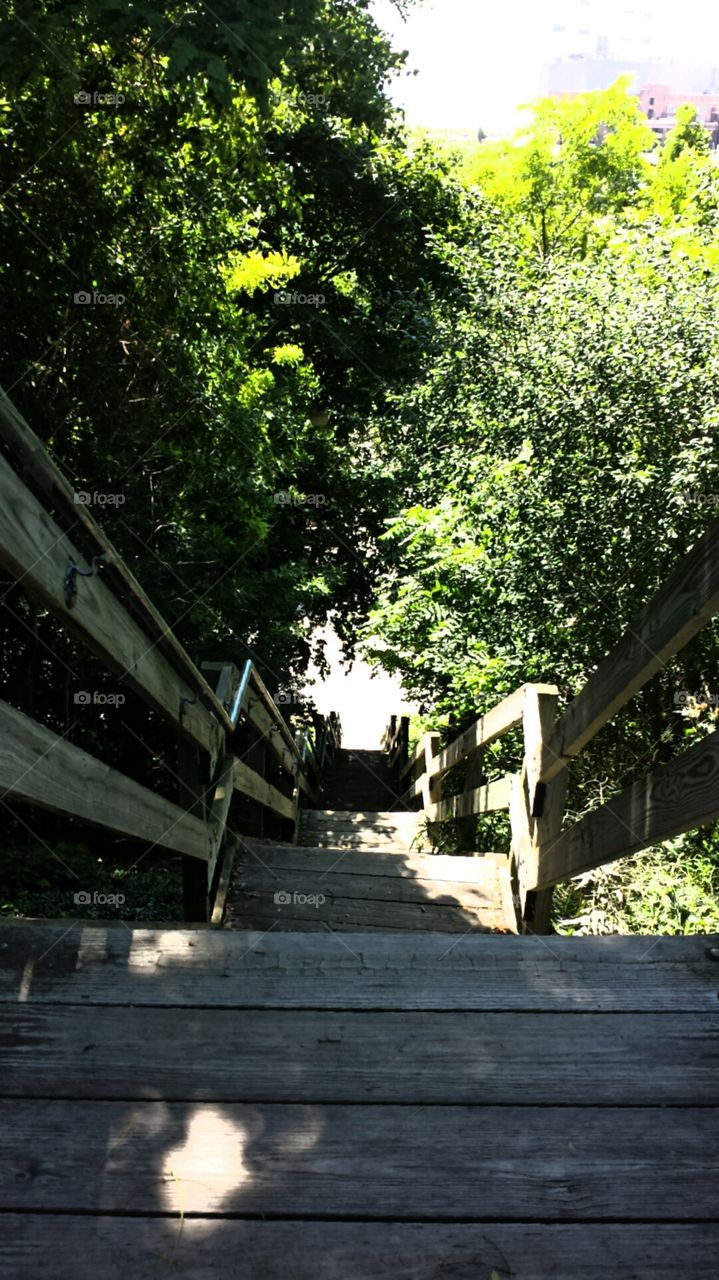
(659, 103)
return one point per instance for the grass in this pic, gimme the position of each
(669, 889)
(45, 881)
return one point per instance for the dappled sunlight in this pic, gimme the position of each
(208, 1166)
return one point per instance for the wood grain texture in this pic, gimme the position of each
(498, 721)
(221, 968)
(409, 864)
(493, 795)
(33, 548)
(355, 889)
(679, 609)
(252, 785)
(259, 687)
(682, 795)
(231, 1055)
(40, 768)
(71, 1247)
(390, 1162)
(29, 450)
(296, 902)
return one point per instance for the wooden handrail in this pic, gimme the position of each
(679, 609)
(113, 616)
(21, 440)
(682, 795)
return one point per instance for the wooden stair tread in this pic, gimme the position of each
(310, 888)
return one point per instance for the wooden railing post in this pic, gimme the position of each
(536, 809)
(467, 827)
(192, 784)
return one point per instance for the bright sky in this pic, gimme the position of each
(479, 61)
(364, 701)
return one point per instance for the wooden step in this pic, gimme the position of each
(292, 888)
(381, 829)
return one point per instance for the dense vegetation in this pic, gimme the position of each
(466, 405)
(561, 450)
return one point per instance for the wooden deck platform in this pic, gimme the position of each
(199, 1103)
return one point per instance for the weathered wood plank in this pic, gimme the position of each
(224, 880)
(297, 901)
(493, 795)
(73, 1247)
(499, 720)
(284, 858)
(260, 688)
(679, 609)
(28, 448)
(230, 1055)
(267, 725)
(682, 795)
(257, 788)
(190, 967)
(219, 810)
(33, 548)
(40, 768)
(387, 1161)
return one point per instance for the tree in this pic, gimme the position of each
(578, 160)
(198, 167)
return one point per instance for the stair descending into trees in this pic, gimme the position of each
(365, 863)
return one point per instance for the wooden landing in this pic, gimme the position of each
(357, 887)
(208, 1103)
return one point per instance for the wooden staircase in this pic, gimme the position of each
(362, 869)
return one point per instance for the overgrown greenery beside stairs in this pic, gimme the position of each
(466, 406)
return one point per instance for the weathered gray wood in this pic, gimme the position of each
(535, 816)
(224, 879)
(267, 725)
(70, 1247)
(298, 900)
(682, 795)
(33, 548)
(260, 688)
(353, 862)
(471, 1163)
(498, 721)
(679, 609)
(192, 786)
(40, 768)
(191, 967)
(257, 788)
(219, 811)
(493, 795)
(230, 1055)
(27, 447)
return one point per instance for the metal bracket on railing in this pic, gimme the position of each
(69, 585)
(186, 702)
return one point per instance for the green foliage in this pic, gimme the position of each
(579, 160)
(39, 880)
(202, 175)
(559, 454)
(671, 889)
